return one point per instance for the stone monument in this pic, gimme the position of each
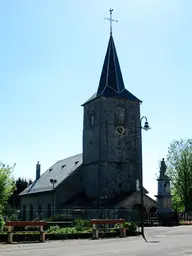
(164, 190)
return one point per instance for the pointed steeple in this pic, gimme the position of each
(111, 81)
(111, 77)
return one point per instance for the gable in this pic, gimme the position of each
(59, 171)
(135, 198)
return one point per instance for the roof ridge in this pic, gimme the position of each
(68, 157)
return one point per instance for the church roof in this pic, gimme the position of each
(59, 171)
(111, 82)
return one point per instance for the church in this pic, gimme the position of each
(106, 173)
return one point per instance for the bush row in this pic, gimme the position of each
(78, 226)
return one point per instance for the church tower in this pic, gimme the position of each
(111, 134)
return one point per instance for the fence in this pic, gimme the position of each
(150, 218)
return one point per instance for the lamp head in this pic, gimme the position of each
(53, 181)
(146, 126)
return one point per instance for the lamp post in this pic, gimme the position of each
(146, 128)
(53, 182)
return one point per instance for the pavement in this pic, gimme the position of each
(162, 241)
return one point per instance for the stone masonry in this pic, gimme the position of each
(111, 161)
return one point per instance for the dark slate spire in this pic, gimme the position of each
(111, 82)
(111, 77)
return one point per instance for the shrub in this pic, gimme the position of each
(69, 230)
(58, 230)
(88, 230)
(2, 223)
(130, 226)
(53, 229)
(13, 217)
(81, 225)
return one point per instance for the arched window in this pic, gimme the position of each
(153, 211)
(92, 117)
(31, 212)
(39, 209)
(24, 212)
(49, 211)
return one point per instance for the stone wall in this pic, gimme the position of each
(118, 155)
(35, 203)
(43, 201)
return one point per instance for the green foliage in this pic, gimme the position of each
(20, 185)
(81, 224)
(179, 162)
(177, 203)
(58, 230)
(13, 217)
(2, 223)
(7, 184)
(130, 226)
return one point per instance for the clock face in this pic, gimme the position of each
(120, 130)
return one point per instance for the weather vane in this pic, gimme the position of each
(111, 20)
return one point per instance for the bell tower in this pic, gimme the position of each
(111, 134)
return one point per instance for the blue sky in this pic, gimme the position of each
(51, 55)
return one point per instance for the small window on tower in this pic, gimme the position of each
(92, 117)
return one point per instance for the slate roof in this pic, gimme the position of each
(59, 171)
(111, 81)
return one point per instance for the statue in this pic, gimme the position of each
(163, 167)
(137, 185)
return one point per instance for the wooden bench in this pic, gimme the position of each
(12, 224)
(96, 222)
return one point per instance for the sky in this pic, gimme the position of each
(51, 56)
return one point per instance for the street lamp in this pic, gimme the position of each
(53, 182)
(146, 128)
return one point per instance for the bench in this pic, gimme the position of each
(96, 222)
(12, 224)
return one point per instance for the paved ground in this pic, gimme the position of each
(175, 241)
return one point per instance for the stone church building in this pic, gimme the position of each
(105, 174)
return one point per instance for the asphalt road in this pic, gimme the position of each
(162, 241)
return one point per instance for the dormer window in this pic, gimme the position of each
(62, 166)
(92, 117)
(76, 162)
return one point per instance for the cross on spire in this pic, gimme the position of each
(111, 20)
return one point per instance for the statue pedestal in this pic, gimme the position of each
(164, 191)
(164, 203)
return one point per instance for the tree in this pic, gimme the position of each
(20, 185)
(7, 184)
(179, 162)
